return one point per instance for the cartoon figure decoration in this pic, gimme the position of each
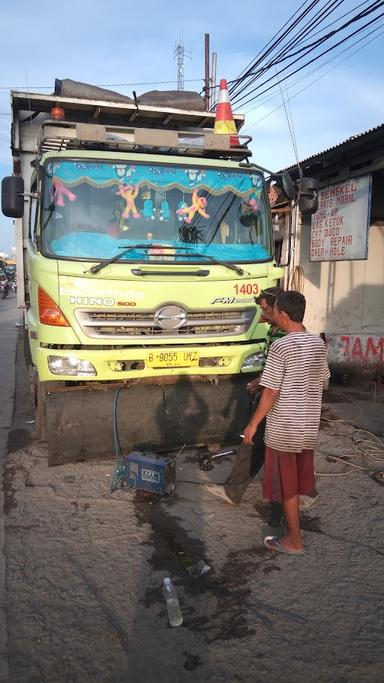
(129, 193)
(164, 210)
(148, 208)
(163, 207)
(253, 203)
(59, 191)
(248, 213)
(198, 205)
(180, 211)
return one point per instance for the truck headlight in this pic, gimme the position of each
(70, 365)
(253, 361)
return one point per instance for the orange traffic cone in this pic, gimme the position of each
(224, 123)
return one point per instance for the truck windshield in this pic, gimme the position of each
(92, 208)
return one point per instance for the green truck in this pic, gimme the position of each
(142, 241)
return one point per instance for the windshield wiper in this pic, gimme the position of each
(212, 259)
(99, 266)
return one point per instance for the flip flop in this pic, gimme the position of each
(272, 543)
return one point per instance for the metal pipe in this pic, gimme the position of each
(221, 455)
(212, 100)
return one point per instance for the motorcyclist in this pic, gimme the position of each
(11, 275)
(4, 284)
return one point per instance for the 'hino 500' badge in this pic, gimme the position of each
(92, 301)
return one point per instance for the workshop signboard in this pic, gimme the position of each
(339, 228)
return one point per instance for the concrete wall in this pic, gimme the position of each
(345, 299)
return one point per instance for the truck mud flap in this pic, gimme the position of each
(200, 412)
(79, 421)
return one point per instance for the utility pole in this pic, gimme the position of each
(206, 78)
(179, 54)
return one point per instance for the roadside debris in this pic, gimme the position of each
(199, 569)
(173, 607)
(205, 459)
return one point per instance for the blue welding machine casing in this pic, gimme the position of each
(149, 472)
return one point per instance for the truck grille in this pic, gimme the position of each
(136, 325)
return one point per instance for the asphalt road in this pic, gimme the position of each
(85, 566)
(9, 316)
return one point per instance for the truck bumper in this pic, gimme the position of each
(117, 365)
(79, 420)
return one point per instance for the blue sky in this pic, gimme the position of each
(113, 43)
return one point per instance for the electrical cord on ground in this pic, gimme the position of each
(369, 448)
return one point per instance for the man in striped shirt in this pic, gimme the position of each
(293, 379)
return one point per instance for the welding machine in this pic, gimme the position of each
(150, 472)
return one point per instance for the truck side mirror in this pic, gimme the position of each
(12, 196)
(308, 195)
(288, 185)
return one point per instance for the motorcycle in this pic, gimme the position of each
(4, 287)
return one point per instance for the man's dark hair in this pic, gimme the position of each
(269, 295)
(293, 304)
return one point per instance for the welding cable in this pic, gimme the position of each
(119, 473)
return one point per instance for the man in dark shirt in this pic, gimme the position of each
(250, 459)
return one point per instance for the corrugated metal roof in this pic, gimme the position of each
(352, 138)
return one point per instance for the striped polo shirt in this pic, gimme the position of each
(297, 367)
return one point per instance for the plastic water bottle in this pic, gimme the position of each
(173, 607)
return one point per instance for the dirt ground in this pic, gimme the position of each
(85, 566)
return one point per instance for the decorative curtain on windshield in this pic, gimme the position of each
(88, 205)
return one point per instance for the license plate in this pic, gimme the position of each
(172, 359)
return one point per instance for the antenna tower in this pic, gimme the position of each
(180, 53)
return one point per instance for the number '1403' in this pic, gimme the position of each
(249, 288)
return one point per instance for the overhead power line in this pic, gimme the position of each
(273, 95)
(298, 45)
(246, 99)
(298, 92)
(296, 41)
(308, 50)
(271, 45)
(100, 85)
